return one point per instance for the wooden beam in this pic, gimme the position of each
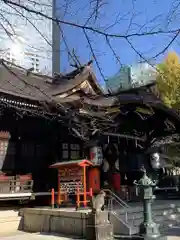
(123, 136)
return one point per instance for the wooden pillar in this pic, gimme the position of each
(59, 193)
(84, 184)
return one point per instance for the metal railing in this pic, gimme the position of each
(113, 200)
(112, 196)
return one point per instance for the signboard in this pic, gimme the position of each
(70, 174)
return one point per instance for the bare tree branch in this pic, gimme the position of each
(93, 54)
(97, 5)
(113, 51)
(21, 14)
(167, 46)
(87, 28)
(150, 28)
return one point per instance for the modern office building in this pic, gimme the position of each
(131, 77)
(121, 80)
(28, 39)
(142, 73)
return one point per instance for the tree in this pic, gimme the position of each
(168, 80)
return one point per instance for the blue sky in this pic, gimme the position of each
(134, 16)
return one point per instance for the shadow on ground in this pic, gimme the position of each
(173, 231)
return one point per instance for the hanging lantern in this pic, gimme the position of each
(96, 155)
(117, 164)
(105, 166)
(155, 160)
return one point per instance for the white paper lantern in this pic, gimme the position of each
(96, 156)
(117, 164)
(155, 160)
(105, 166)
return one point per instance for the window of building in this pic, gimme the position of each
(65, 151)
(75, 151)
(70, 151)
(35, 63)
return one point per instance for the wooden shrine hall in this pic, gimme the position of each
(46, 120)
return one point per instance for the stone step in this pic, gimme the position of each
(160, 212)
(139, 209)
(160, 219)
(134, 230)
(157, 211)
(139, 216)
(136, 222)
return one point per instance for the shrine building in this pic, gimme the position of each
(45, 121)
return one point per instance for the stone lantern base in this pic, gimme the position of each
(149, 229)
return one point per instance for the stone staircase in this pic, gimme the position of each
(126, 218)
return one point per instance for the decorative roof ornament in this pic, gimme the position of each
(145, 181)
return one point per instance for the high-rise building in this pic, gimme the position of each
(28, 39)
(142, 74)
(121, 80)
(131, 77)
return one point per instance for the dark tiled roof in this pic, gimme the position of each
(16, 81)
(65, 85)
(80, 92)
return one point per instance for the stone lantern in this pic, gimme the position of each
(148, 228)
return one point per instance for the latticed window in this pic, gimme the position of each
(65, 151)
(70, 151)
(75, 151)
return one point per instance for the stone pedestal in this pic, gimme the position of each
(98, 227)
(150, 229)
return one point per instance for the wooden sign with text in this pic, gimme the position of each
(70, 173)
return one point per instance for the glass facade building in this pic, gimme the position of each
(131, 77)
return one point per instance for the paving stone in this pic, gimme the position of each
(29, 236)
